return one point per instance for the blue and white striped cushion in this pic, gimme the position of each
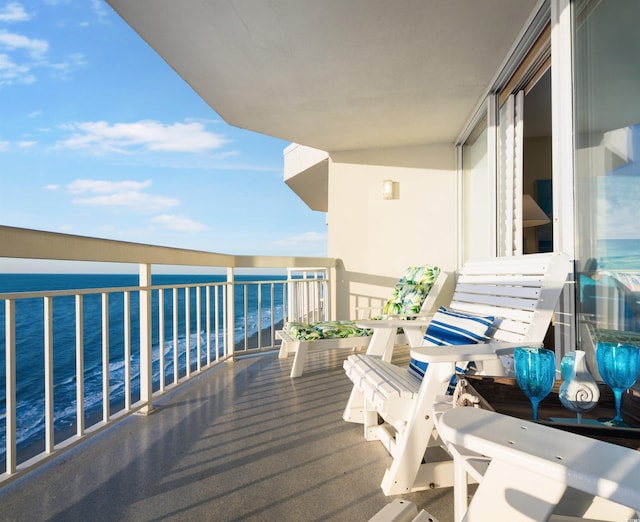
(449, 328)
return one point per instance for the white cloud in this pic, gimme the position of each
(128, 194)
(14, 12)
(20, 54)
(105, 187)
(11, 73)
(13, 41)
(149, 135)
(72, 62)
(52, 187)
(135, 200)
(26, 144)
(100, 10)
(179, 223)
(14, 67)
(4, 145)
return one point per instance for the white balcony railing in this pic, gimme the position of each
(95, 355)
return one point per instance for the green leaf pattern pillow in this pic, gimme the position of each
(411, 290)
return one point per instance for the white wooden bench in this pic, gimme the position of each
(521, 292)
(381, 337)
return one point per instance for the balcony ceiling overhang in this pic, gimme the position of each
(335, 74)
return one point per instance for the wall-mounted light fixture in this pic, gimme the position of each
(388, 189)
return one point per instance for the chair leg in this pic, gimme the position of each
(382, 342)
(356, 411)
(505, 489)
(299, 359)
(459, 490)
(370, 420)
(412, 443)
(285, 349)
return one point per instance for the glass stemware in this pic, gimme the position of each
(535, 373)
(618, 365)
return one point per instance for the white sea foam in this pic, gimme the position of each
(30, 408)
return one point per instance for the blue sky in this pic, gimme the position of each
(99, 137)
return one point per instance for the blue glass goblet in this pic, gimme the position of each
(535, 373)
(618, 365)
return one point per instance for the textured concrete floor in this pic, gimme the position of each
(243, 442)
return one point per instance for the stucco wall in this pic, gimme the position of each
(371, 235)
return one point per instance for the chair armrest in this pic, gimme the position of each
(409, 316)
(466, 352)
(395, 321)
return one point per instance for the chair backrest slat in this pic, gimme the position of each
(528, 292)
(502, 279)
(520, 291)
(497, 301)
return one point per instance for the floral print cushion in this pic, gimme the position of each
(340, 329)
(302, 331)
(411, 290)
(325, 330)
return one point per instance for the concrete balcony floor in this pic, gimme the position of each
(243, 442)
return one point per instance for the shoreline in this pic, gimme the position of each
(252, 341)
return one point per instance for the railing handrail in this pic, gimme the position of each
(37, 244)
(35, 294)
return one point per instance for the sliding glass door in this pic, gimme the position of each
(607, 166)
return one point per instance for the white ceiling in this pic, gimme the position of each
(335, 74)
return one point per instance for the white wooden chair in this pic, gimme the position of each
(535, 472)
(403, 303)
(521, 293)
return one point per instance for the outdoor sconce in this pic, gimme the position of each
(388, 189)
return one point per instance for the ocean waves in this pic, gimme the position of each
(30, 381)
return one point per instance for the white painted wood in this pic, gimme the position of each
(161, 359)
(105, 357)
(146, 338)
(79, 366)
(406, 404)
(11, 455)
(531, 466)
(48, 374)
(199, 328)
(126, 319)
(187, 330)
(397, 511)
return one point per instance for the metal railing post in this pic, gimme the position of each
(146, 355)
(11, 457)
(231, 316)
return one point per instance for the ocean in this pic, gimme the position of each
(30, 416)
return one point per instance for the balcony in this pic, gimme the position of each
(210, 426)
